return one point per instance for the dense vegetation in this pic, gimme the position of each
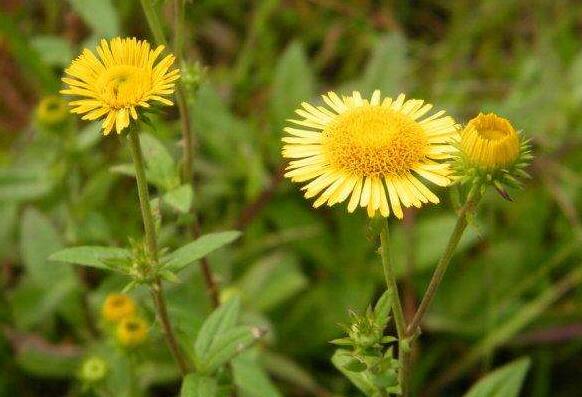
(511, 293)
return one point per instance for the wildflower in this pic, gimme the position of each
(374, 150)
(51, 111)
(490, 142)
(122, 80)
(131, 331)
(491, 150)
(93, 369)
(117, 307)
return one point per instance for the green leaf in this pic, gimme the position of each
(19, 184)
(271, 281)
(38, 240)
(100, 15)
(27, 57)
(503, 382)
(49, 361)
(53, 50)
(198, 249)
(223, 318)
(342, 342)
(33, 304)
(251, 378)
(383, 308)
(340, 359)
(93, 256)
(225, 346)
(196, 385)
(388, 66)
(161, 167)
(292, 84)
(89, 136)
(180, 198)
(431, 237)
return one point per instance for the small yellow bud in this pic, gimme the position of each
(117, 307)
(52, 111)
(93, 369)
(490, 142)
(131, 331)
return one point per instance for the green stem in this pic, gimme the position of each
(162, 311)
(152, 249)
(153, 21)
(472, 200)
(188, 149)
(392, 286)
(142, 190)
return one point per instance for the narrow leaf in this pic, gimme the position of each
(198, 249)
(503, 382)
(222, 319)
(195, 385)
(92, 256)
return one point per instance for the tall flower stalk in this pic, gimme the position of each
(155, 286)
(156, 28)
(399, 320)
(471, 202)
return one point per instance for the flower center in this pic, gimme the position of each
(132, 326)
(374, 141)
(493, 134)
(124, 85)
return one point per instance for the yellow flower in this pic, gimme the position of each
(124, 78)
(117, 307)
(131, 331)
(374, 150)
(51, 111)
(489, 142)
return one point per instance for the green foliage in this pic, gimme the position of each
(195, 385)
(197, 249)
(97, 257)
(369, 365)
(68, 197)
(100, 15)
(503, 382)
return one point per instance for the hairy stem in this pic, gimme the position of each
(185, 120)
(472, 200)
(144, 197)
(391, 285)
(153, 21)
(152, 249)
(162, 312)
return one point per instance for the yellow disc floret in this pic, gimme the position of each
(131, 331)
(118, 307)
(125, 77)
(374, 141)
(489, 142)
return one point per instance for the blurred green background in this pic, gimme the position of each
(248, 64)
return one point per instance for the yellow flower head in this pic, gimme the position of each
(490, 142)
(372, 151)
(122, 79)
(117, 307)
(51, 111)
(131, 331)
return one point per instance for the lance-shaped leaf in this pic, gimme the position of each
(92, 256)
(198, 249)
(196, 385)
